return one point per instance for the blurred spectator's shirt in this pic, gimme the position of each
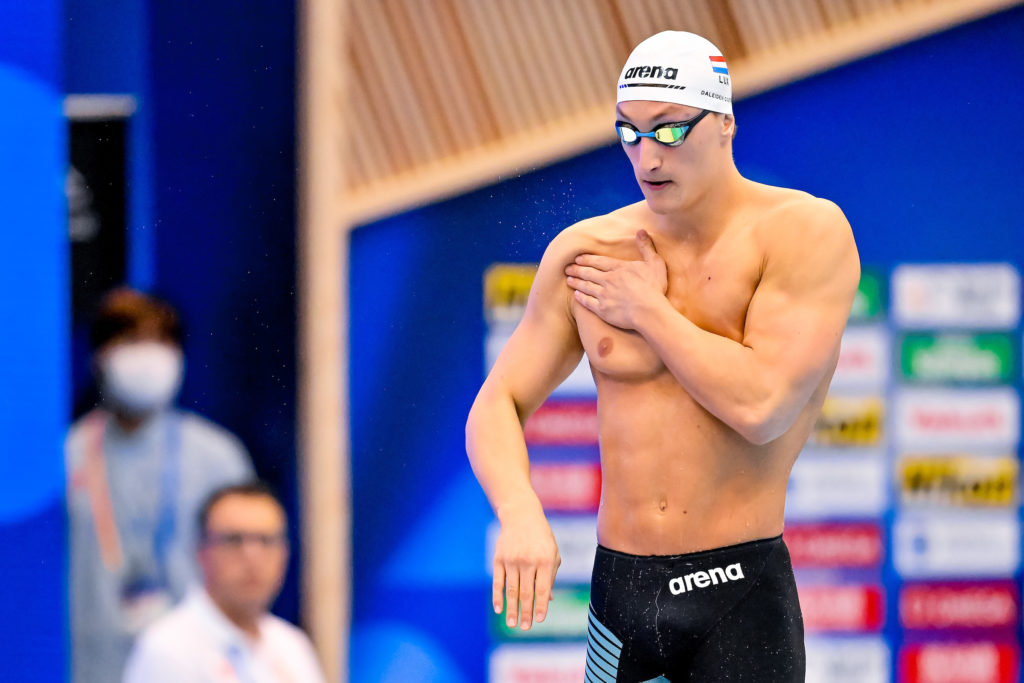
(154, 481)
(196, 643)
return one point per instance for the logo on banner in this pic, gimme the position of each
(951, 545)
(867, 304)
(567, 487)
(834, 545)
(863, 359)
(847, 659)
(958, 480)
(847, 607)
(993, 604)
(506, 290)
(837, 485)
(957, 358)
(563, 423)
(522, 663)
(977, 662)
(966, 418)
(984, 296)
(846, 421)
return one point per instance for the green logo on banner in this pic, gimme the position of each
(867, 305)
(567, 618)
(957, 357)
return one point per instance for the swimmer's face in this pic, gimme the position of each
(672, 178)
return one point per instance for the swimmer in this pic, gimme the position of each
(711, 314)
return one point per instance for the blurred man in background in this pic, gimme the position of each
(223, 631)
(138, 469)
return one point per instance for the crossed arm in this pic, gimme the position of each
(760, 384)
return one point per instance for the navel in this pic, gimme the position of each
(604, 347)
(662, 505)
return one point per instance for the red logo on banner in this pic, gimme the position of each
(992, 604)
(834, 545)
(981, 662)
(567, 487)
(842, 607)
(563, 423)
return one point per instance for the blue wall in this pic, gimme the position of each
(34, 345)
(921, 146)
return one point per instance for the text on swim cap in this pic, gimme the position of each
(713, 576)
(668, 73)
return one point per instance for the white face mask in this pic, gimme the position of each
(142, 377)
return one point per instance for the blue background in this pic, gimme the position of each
(921, 146)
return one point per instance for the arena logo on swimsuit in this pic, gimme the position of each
(666, 72)
(712, 577)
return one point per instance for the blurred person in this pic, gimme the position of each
(711, 313)
(223, 631)
(138, 469)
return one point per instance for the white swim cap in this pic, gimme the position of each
(677, 67)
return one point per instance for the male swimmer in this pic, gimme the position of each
(711, 314)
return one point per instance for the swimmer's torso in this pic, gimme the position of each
(677, 479)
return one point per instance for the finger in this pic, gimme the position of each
(511, 596)
(526, 581)
(545, 582)
(498, 588)
(585, 273)
(591, 288)
(604, 263)
(588, 302)
(646, 245)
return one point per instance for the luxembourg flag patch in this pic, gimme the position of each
(718, 65)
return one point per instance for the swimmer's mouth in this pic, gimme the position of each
(656, 184)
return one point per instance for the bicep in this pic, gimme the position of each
(799, 310)
(545, 347)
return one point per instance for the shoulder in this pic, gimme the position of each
(792, 218)
(294, 644)
(209, 435)
(168, 637)
(608, 233)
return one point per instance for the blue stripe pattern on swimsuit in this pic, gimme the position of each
(603, 650)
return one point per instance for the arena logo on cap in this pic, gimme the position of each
(666, 72)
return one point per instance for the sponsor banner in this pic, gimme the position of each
(957, 358)
(836, 485)
(577, 542)
(563, 423)
(535, 663)
(962, 296)
(834, 545)
(952, 662)
(863, 359)
(567, 618)
(957, 545)
(849, 421)
(974, 605)
(966, 418)
(860, 659)
(842, 607)
(567, 487)
(867, 304)
(506, 290)
(958, 480)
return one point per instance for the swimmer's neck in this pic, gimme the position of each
(703, 220)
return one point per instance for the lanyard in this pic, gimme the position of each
(101, 503)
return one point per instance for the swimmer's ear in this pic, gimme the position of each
(728, 126)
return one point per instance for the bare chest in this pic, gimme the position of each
(713, 292)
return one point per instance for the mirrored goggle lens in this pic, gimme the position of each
(627, 135)
(670, 135)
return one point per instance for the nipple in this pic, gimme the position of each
(604, 347)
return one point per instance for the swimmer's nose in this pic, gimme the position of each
(650, 154)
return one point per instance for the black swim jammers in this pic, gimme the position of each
(729, 614)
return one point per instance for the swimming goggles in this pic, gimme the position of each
(668, 134)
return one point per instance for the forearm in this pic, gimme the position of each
(722, 375)
(497, 452)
